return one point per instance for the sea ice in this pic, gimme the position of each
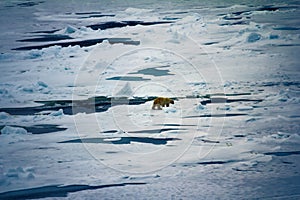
(240, 61)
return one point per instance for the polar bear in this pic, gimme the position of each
(160, 102)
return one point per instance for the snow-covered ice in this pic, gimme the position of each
(78, 80)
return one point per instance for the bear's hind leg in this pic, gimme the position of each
(158, 107)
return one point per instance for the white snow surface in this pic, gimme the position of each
(232, 69)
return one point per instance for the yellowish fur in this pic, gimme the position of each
(160, 102)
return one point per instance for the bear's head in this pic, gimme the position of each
(171, 101)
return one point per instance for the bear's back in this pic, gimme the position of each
(158, 100)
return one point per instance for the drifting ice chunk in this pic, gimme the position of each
(4, 115)
(60, 112)
(13, 130)
(253, 37)
(20, 173)
(68, 30)
(200, 107)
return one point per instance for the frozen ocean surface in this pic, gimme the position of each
(78, 80)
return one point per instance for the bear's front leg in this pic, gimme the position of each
(167, 105)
